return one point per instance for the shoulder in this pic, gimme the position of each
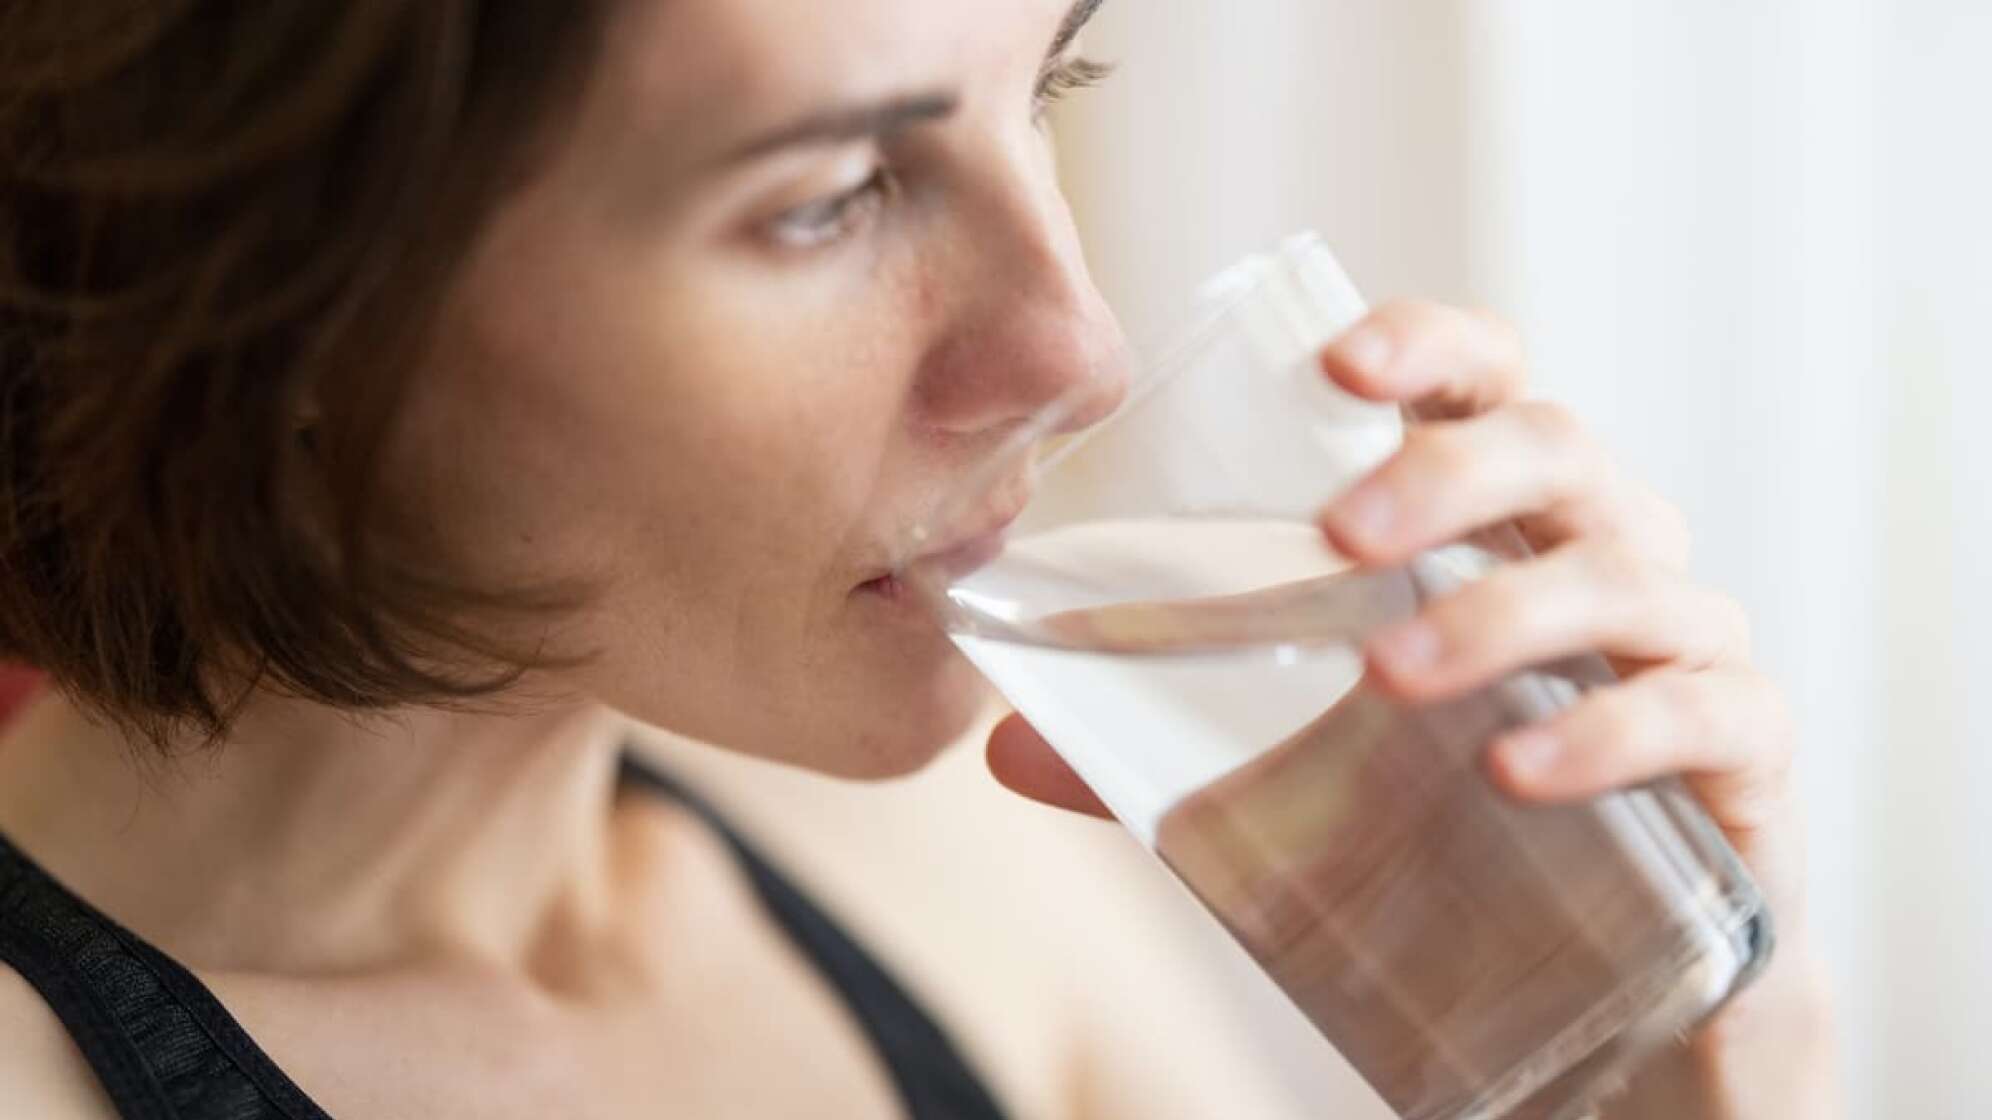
(42, 1073)
(1034, 936)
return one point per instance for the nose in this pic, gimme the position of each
(1031, 331)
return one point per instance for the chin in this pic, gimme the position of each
(907, 724)
(878, 712)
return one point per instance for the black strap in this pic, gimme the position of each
(166, 1049)
(109, 1051)
(156, 1038)
(934, 1080)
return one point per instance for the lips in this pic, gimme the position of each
(959, 555)
(966, 556)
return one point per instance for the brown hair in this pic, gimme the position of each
(224, 231)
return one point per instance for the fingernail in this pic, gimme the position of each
(1366, 350)
(1529, 755)
(1367, 511)
(1409, 647)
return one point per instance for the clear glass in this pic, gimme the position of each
(1164, 611)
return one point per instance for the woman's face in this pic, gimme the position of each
(790, 269)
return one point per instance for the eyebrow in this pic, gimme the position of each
(876, 119)
(845, 123)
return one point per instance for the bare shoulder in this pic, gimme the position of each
(42, 1074)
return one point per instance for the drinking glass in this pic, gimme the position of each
(1166, 613)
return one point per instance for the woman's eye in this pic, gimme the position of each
(833, 218)
(1068, 76)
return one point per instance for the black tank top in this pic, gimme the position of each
(165, 1048)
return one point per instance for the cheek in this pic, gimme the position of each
(723, 492)
(753, 634)
(604, 441)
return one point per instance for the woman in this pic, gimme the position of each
(402, 398)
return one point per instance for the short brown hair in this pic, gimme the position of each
(212, 213)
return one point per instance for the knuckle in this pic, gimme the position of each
(1745, 801)
(1404, 309)
(1440, 325)
(1403, 320)
(1716, 627)
(1622, 570)
(1495, 606)
(1684, 701)
(1437, 452)
(1758, 788)
(1779, 762)
(1555, 426)
(1615, 722)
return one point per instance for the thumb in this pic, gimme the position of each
(1021, 759)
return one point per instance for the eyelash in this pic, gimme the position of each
(829, 220)
(1069, 76)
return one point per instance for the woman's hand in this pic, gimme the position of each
(1609, 575)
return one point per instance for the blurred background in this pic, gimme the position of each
(1751, 244)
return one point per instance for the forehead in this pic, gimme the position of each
(751, 59)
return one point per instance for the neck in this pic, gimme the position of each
(313, 840)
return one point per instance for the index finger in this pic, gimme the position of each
(1444, 362)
